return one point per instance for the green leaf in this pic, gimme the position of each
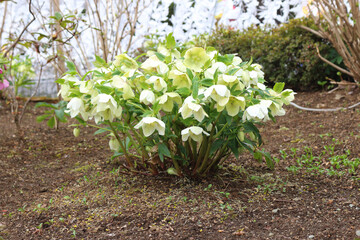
(216, 145)
(216, 75)
(59, 113)
(269, 161)
(250, 127)
(160, 56)
(80, 120)
(172, 171)
(163, 151)
(51, 122)
(234, 148)
(116, 154)
(189, 73)
(207, 82)
(105, 89)
(170, 41)
(258, 156)
(227, 59)
(44, 104)
(183, 91)
(60, 81)
(195, 87)
(102, 130)
(87, 73)
(278, 87)
(58, 16)
(42, 117)
(99, 62)
(70, 66)
(233, 71)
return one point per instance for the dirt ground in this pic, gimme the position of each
(56, 186)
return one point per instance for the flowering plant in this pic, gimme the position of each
(20, 70)
(4, 83)
(184, 112)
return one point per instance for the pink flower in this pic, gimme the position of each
(4, 84)
(1, 71)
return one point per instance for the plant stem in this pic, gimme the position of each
(218, 157)
(175, 162)
(128, 160)
(202, 151)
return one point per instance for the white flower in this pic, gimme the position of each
(191, 108)
(258, 112)
(236, 60)
(195, 133)
(230, 81)
(158, 83)
(163, 50)
(65, 87)
(125, 62)
(233, 106)
(121, 83)
(244, 77)
(276, 109)
(220, 66)
(150, 124)
(261, 86)
(180, 66)
(288, 96)
(153, 64)
(167, 101)
(64, 92)
(76, 106)
(147, 97)
(85, 86)
(195, 58)
(219, 93)
(114, 144)
(253, 75)
(180, 79)
(105, 108)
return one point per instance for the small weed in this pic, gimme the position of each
(325, 135)
(208, 187)
(327, 162)
(22, 209)
(73, 232)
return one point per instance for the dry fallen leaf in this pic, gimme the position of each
(239, 233)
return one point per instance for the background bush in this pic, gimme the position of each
(287, 53)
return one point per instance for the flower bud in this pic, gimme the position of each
(76, 132)
(241, 136)
(114, 144)
(252, 136)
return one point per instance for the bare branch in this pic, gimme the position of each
(332, 64)
(3, 21)
(22, 32)
(341, 26)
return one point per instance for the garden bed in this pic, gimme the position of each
(55, 186)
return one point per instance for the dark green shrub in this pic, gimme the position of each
(287, 53)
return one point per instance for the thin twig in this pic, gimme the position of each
(3, 21)
(22, 32)
(332, 64)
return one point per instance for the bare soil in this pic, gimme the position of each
(56, 186)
